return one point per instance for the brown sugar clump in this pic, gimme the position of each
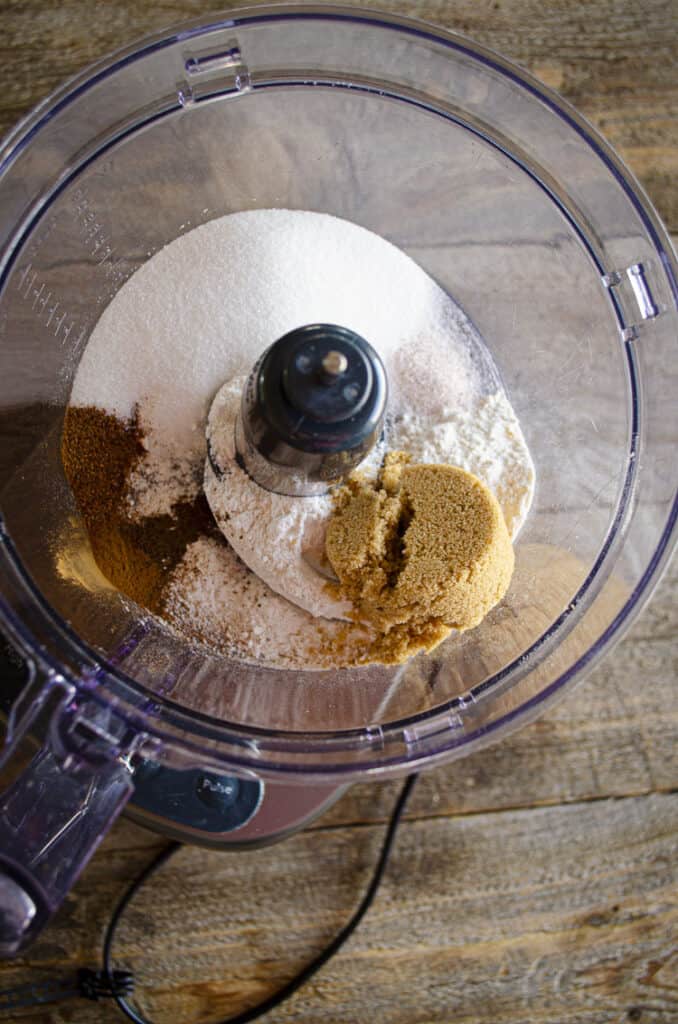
(420, 552)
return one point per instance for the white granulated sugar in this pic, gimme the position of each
(203, 309)
(194, 319)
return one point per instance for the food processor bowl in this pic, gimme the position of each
(519, 210)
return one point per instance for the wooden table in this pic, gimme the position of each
(533, 882)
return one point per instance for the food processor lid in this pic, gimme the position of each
(539, 136)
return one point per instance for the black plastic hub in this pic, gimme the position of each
(321, 388)
(312, 409)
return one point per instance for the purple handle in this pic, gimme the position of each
(56, 812)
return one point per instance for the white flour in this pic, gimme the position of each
(270, 532)
(485, 439)
(198, 315)
(214, 598)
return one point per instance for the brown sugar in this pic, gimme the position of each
(99, 452)
(420, 552)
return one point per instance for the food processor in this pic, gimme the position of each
(519, 211)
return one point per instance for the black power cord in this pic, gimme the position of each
(107, 978)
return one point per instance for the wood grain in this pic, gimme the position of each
(532, 883)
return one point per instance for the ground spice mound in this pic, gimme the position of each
(99, 452)
(419, 552)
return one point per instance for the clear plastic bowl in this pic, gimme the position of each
(501, 192)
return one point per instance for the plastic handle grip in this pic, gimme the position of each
(52, 818)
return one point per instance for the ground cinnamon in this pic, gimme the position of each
(99, 452)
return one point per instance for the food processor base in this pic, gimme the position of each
(223, 811)
(198, 806)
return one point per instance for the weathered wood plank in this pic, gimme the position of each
(558, 915)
